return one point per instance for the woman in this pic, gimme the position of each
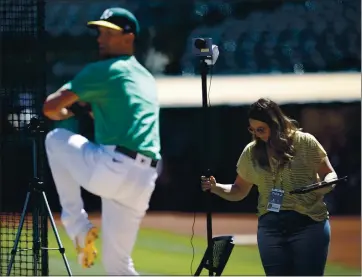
(293, 230)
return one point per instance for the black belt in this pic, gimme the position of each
(132, 154)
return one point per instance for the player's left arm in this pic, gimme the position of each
(56, 105)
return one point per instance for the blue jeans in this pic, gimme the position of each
(293, 244)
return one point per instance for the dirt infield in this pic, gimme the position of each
(345, 242)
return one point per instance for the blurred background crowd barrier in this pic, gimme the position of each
(306, 55)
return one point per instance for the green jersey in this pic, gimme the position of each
(123, 97)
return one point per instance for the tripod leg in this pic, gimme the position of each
(200, 267)
(61, 248)
(18, 234)
(36, 238)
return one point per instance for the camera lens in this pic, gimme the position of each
(200, 43)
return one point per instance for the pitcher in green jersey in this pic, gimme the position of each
(121, 165)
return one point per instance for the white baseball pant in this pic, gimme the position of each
(124, 185)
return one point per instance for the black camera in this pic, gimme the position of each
(202, 47)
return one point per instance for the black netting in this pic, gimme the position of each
(22, 90)
(24, 263)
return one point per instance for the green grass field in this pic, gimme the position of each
(164, 253)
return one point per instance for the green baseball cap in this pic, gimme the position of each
(117, 19)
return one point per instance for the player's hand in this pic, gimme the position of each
(89, 107)
(83, 104)
(208, 184)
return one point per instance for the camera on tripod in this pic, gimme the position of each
(218, 248)
(37, 125)
(203, 48)
(41, 210)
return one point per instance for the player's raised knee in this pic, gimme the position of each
(56, 137)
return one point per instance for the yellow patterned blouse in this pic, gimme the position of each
(301, 171)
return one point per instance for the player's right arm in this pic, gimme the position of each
(55, 106)
(231, 192)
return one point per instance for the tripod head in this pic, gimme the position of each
(36, 128)
(208, 54)
(37, 125)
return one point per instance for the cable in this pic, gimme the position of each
(208, 93)
(192, 245)
(194, 219)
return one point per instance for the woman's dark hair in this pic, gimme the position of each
(282, 129)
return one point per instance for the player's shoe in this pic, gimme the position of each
(84, 244)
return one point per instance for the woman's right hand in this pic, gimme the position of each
(208, 184)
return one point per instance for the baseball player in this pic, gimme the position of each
(120, 166)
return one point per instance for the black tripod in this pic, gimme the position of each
(219, 248)
(40, 202)
(206, 119)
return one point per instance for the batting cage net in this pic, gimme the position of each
(22, 90)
